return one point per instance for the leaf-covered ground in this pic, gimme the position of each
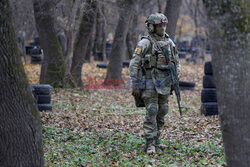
(102, 127)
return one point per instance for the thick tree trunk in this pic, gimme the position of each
(229, 40)
(81, 43)
(20, 126)
(172, 12)
(114, 71)
(53, 66)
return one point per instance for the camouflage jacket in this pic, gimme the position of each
(147, 57)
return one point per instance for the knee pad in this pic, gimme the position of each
(164, 108)
(152, 108)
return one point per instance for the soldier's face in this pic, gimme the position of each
(160, 29)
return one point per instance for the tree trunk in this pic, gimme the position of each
(89, 50)
(229, 40)
(21, 36)
(104, 44)
(81, 43)
(180, 29)
(69, 53)
(53, 66)
(114, 71)
(63, 42)
(103, 34)
(98, 34)
(20, 126)
(199, 46)
(172, 12)
(131, 39)
(159, 6)
(129, 44)
(70, 36)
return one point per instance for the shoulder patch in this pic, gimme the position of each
(138, 50)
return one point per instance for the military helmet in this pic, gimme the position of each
(157, 18)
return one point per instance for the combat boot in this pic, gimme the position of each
(150, 148)
(157, 143)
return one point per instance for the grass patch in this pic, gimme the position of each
(64, 147)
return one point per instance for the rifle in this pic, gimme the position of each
(174, 78)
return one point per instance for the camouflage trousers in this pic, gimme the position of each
(156, 109)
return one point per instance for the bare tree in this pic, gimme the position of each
(99, 33)
(195, 9)
(229, 39)
(20, 126)
(70, 30)
(104, 34)
(81, 43)
(132, 36)
(172, 12)
(159, 2)
(53, 66)
(114, 71)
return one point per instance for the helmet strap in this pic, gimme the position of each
(151, 28)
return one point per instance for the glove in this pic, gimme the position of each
(136, 92)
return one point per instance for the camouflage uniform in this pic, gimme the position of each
(150, 58)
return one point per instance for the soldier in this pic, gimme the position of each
(149, 58)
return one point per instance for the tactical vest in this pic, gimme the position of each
(154, 58)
